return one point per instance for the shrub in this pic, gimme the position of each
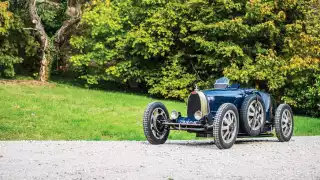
(17, 45)
(171, 45)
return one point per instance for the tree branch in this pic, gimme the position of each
(59, 36)
(30, 29)
(49, 2)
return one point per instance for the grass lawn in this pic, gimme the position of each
(63, 112)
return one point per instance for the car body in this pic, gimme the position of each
(224, 112)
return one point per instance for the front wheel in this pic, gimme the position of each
(154, 129)
(284, 122)
(226, 126)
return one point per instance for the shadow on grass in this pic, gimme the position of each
(109, 86)
(103, 85)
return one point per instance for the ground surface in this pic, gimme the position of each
(248, 159)
(30, 110)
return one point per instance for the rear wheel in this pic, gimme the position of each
(252, 115)
(154, 129)
(226, 126)
(284, 122)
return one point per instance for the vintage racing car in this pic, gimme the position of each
(224, 113)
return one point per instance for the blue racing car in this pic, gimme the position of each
(224, 113)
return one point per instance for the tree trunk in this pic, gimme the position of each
(42, 38)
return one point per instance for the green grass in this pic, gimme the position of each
(64, 112)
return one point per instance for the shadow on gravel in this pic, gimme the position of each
(209, 143)
(193, 143)
(249, 141)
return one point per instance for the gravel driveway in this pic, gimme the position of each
(262, 158)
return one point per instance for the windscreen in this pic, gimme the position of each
(221, 83)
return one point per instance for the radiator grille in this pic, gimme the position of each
(194, 104)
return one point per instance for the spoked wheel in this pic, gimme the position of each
(253, 115)
(284, 122)
(154, 129)
(226, 126)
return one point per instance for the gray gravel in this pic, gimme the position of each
(262, 158)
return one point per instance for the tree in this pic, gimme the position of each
(49, 47)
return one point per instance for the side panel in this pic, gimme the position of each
(217, 97)
(269, 105)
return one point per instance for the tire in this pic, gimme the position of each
(284, 123)
(252, 117)
(155, 132)
(224, 131)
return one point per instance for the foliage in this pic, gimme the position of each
(32, 110)
(6, 65)
(52, 15)
(168, 46)
(302, 88)
(6, 61)
(4, 18)
(18, 47)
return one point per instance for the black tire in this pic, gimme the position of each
(246, 110)
(219, 123)
(152, 126)
(284, 130)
